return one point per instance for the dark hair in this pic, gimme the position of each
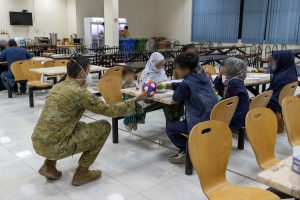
(188, 46)
(127, 70)
(187, 60)
(126, 27)
(73, 66)
(12, 43)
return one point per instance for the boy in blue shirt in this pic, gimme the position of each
(12, 54)
(198, 96)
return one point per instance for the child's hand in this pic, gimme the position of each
(141, 97)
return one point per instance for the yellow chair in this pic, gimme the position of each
(16, 68)
(261, 125)
(114, 71)
(224, 110)
(55, 63)
(210, 69)
(291, 116)
(209, 146)
(261, 100)
(288, 90)
(33, 79)
(110, 88)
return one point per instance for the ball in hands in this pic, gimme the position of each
(150, 88)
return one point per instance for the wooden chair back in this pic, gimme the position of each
(114, 71)
(261, 126)
(261, 100)
(16, 68)
(224, 110)
(209, 69)
(209, 147)
(291, 116)
(27, 66)
(55, 63)
(288, 90)
(110, 88)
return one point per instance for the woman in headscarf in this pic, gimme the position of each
(155, 71)
(235, 72)
(283, 72)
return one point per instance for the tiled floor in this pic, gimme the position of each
(135, 169)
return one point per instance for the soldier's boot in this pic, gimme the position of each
(49, 170)
(83, 175)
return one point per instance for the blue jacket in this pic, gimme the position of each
(285, 72)
(198, 96)
(13, 54)
(235, 88)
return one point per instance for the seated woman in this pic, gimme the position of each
(283, 72)
(155, 71)
(235, 71)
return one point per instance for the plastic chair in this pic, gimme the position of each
(209, 69)
(16, 68)
(288, 90)
(291, 116)
(261, 100)
(261, 124)
(283, 47)
(209, 146)
(275, 47)
(110, 88)
(55, 63)
(34, 79)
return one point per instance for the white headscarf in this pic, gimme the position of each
(151, 72)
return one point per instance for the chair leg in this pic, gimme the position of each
(241, 138)
(188, 162)
(115, 130)
(31, 101)
(9, 91)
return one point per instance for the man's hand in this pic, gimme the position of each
(141, 97)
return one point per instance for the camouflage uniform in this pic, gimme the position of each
(59, 134)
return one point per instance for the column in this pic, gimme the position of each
(111, 15)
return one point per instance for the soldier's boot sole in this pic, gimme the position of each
(90, 176)
(50, 175)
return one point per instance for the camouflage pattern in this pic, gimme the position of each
(59, 133)
(174, 112)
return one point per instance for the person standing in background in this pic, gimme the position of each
(10, 55)
(126, 33)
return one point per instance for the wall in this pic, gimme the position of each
(49, 16)
(87, 8)
(71, 17)
(140, 16)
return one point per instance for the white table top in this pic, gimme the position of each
(62, 70)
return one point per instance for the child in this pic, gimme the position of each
(198, 96)
(131, 121)
(283, 72)
(235, 71)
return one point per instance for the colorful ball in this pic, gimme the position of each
(150, 88)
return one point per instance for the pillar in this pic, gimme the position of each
(111, 15)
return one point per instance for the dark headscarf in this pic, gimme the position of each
(285, 72)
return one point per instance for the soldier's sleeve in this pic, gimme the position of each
(89, 102)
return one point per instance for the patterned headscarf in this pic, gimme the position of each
(237, 69)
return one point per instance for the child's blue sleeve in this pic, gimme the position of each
(182, 92)
(219, 86)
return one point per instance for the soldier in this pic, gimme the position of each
(59, 133)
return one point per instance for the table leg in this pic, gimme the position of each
(188, 162)
(264, 87)
(9, 92)
(115, 130)
(253, 90)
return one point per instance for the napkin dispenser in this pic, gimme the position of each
(296, 159)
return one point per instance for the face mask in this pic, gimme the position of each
(88, 78)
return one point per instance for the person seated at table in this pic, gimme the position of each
(235, 72)
(198, 96)
(283, 71)
(12, 54)
(3, 45)
(190, 48)
(131, 121)
(59, 133)
(155, 71)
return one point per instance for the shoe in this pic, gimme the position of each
(134, 127)
(128, 128)
(49, 170)
(178, 158)
(83, 176)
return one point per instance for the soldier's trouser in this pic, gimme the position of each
(88, 139)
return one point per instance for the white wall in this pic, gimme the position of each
(48, 16)
(71, 17)
(140, 16)
(87, 8)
